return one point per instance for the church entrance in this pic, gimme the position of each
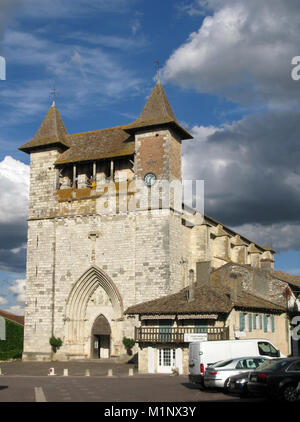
(100, 338)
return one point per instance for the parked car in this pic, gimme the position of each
(218, 375)
(279, 379)
(238, 384)
(203, 353)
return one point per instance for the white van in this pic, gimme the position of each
(203, 353)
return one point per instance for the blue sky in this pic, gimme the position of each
(226, 68)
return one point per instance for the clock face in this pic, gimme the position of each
(150, 179)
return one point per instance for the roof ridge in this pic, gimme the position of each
(97, 130)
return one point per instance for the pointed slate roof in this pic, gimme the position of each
(157, 111)
(51, 132)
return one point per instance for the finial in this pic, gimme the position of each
(53, 96)
(158, 70)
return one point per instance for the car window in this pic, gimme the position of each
(247, 364)
(272, 365)
(295, 366)
(258, 362)
(223, 363)
(265, 348)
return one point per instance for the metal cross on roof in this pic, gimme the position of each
(53, 95)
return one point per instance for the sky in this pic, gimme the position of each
(226, 67)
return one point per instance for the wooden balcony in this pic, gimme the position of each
(176, 334)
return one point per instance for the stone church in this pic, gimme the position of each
(97, 249)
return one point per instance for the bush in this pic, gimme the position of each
(128, 342)
(55, 342)
(12, 347)
(11, 354)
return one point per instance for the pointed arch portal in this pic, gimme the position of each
(79, 298)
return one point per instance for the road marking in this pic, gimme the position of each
(39, 394)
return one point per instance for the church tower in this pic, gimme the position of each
(85, 265)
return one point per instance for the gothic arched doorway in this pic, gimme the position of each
(100, 338)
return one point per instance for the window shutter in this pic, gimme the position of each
(242, 321)
(273, 323)
(254, 321)
(250, 321)
(260, 322)
(265, 323)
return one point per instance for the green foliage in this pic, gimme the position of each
(11, 354)
(12, 347)
(55, 342)
(128, 342)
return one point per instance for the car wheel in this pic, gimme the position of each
(290, 394)
(226, 386)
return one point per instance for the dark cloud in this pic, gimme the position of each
(251, 170)
(13, 261)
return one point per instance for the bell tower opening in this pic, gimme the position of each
(100, 338)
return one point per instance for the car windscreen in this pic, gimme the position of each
(265, 348)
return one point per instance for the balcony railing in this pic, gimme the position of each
(176, 334)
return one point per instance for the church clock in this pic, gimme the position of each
(149, 179)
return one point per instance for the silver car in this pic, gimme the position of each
(219, 373)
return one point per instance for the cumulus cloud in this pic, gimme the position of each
(14, 188)
(18, 288)
(242, 51)
(15, 309)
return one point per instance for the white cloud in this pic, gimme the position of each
(108, 41)
(85, 75)
(14, 188)
(3, 300)
(242, 51)
(48, 9)
(18, 288)
(16, 310)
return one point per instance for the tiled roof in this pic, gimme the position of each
(98, 144)
(289, 278)
(207, 299)
(15, 318)
(158, 111)
(52, 131)
(105, 143)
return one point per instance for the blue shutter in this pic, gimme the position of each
(250, 321)
(265, 323)
(273, 323)
(254, 321)
(242, 321)
(260, 322)
(165, 330)
(199, 327)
